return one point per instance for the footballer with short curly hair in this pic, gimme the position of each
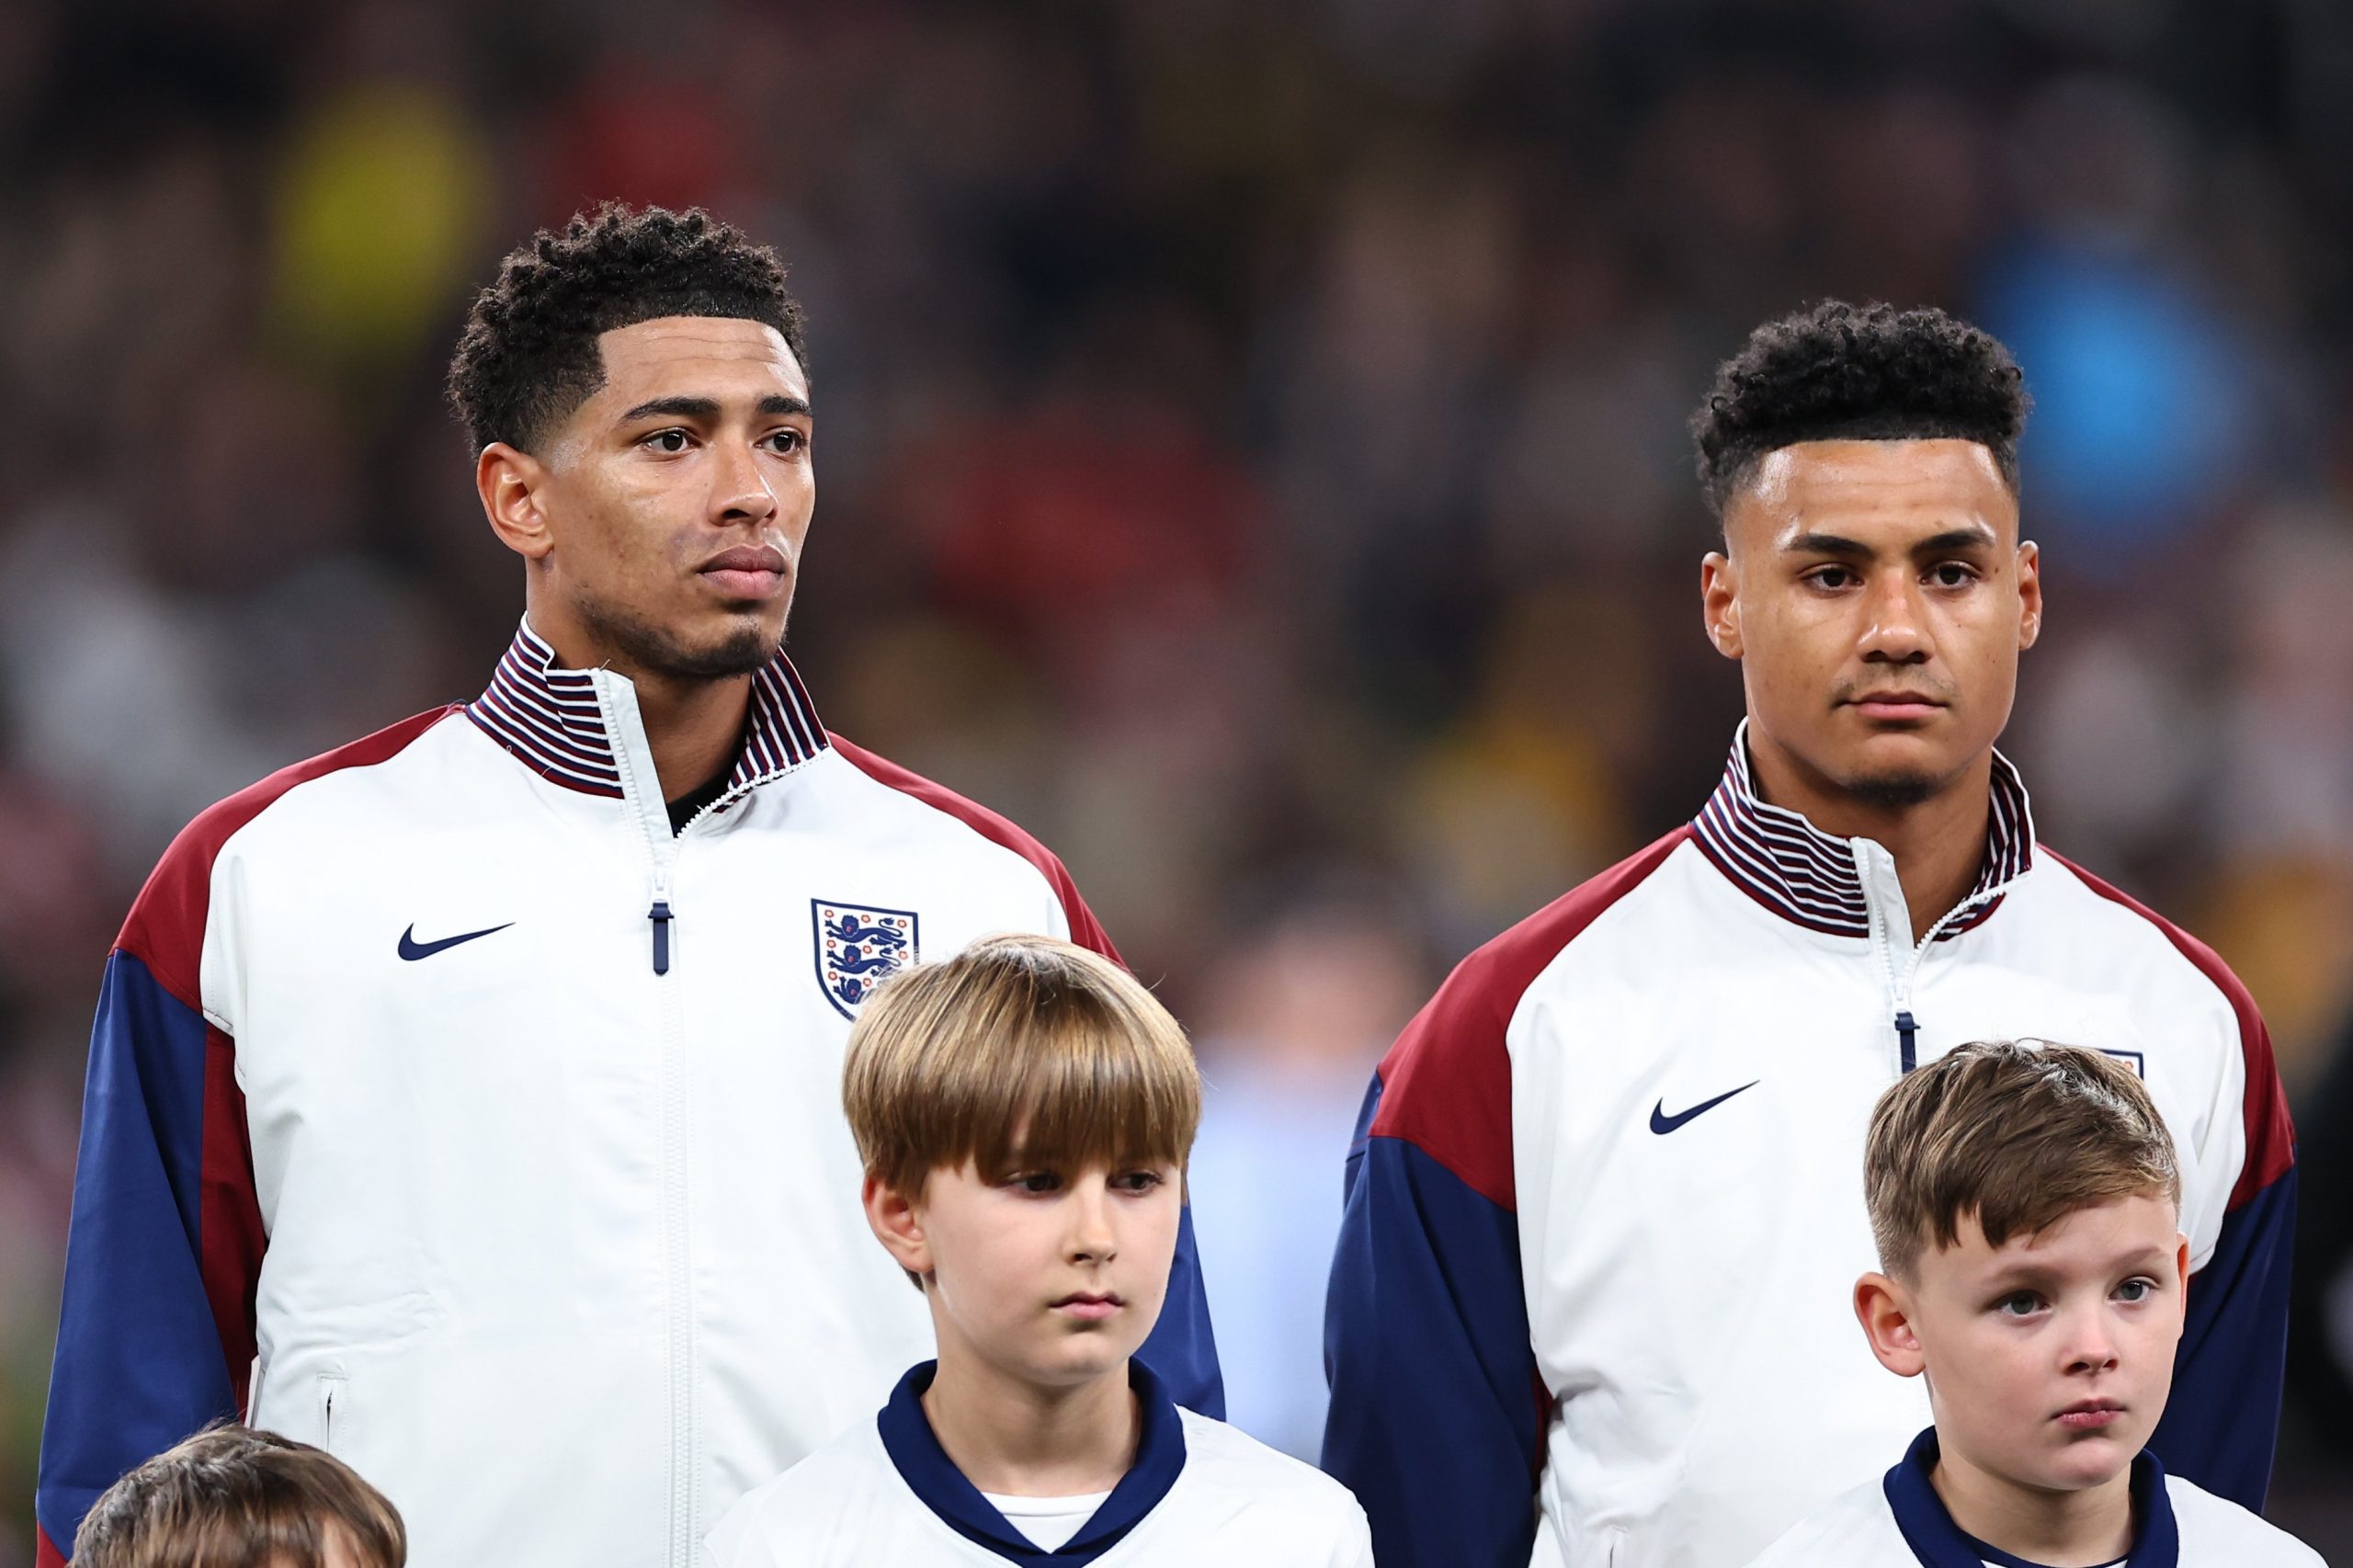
(1590, 1299)
(466, 1101)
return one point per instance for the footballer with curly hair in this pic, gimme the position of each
(466, 1101)
(1590, 1299)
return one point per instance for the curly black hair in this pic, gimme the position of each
(1842, 372)
(528, 354)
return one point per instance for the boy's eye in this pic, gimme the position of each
(2018, 1304)
(668, 441)
(1034, 1181)
(1137, 1181)
(2136, 1290)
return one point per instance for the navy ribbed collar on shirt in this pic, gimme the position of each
(1937, 1542)
(933, 1477)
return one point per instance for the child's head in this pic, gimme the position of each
(233, 1497)
(1024, 1111)
(2026, 1201)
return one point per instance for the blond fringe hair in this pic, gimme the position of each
(2017, 1134)
(1021, 1053)
(233, 1497)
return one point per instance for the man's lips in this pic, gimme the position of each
(747, 572)
(1895, 705)
(2090, 1415)
(1089, 1305)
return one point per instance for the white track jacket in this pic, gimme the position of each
(446, 1110)
(1590, 1301)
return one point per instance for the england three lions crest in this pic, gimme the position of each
(857, 946)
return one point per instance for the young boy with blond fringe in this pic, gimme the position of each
(235, 1497)
(1025, 1111)
(2026, 1202)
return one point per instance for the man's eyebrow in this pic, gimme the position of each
(1977, 536)
(688, 407)
(1811, 543)
(682, 407)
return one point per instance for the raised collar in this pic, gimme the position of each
(914, 1450)
(1807, 876)
(1939, 1542)
(552, 721)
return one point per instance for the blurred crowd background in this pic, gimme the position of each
(1251, 456)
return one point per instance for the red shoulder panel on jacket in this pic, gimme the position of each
(165, 927)
(2270, 1137)
(1446, 1085)
(1084, 929)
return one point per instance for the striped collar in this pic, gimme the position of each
(552, 721)
(1810, 876)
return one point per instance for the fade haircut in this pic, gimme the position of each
(235, 1497)
(2017, 1134)
(528, 354)
(1842, 372)
(1020, 1052)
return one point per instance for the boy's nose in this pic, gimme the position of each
(2090, 1347)
(1091, 1236)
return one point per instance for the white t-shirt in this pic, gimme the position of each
(1047, 1521)
(1898, 1520)
(885, 1494)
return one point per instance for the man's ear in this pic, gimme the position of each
(1884, 1309)
(513, 486)
(1720, 603)
(897, 1223)
(2030, 593)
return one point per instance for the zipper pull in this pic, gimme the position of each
(1906, 1027)
(660, 915)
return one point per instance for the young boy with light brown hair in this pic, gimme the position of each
(236, 1497)
(2026, 1202)
(1025, 1111)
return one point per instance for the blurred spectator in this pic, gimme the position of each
(1308, 997)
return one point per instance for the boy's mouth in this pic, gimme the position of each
(1089, 1305)
(2090, 1415)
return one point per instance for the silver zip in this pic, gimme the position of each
(1899, 985)
(641, 788)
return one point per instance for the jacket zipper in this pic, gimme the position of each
(1883, 941)
(641, 790)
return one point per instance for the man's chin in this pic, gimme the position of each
(739, 645)
(739, 651)
(1893, 790)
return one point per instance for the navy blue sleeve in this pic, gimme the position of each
(142, 1360)
(1436, 1405)
(1181, 1348)
(2222, 1422)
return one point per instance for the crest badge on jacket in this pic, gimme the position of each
(858, 946)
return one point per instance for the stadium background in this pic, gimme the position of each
(1252, 457)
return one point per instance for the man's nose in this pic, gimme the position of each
(739, 489)
(1895, 633)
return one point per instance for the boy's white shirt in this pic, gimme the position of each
(1234, 1503)
(2188, 1528)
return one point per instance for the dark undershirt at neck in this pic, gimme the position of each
(683, 809)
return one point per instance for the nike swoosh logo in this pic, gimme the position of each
(413, 949)
(1662, 1122)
